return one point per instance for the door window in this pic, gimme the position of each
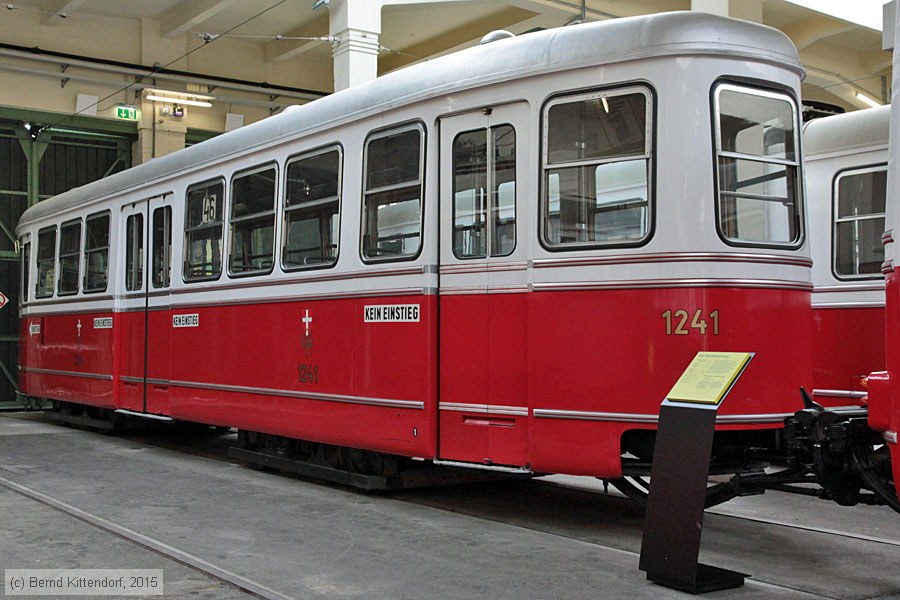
(484, 192)
(134, 253)
(162, 246)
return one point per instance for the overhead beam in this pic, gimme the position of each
(60, 8)
(846, 65)
(289, 48)
(807, 32)
(841, 86)
(878, 64)
(452, 38)
(563, 10)
(188, 15)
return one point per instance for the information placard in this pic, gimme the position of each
(709, 377)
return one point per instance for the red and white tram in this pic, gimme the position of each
(845, 165)
(502, 258)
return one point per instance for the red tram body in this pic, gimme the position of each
(883, 400)
(502, 258)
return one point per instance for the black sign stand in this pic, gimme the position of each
(674, 516)
(679, 474)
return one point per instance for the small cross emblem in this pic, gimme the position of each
(306, 321)
(307, 339)
(79, 327)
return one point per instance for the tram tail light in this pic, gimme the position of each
(879, 401)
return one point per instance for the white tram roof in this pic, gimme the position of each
(605, 42)
(838, 134)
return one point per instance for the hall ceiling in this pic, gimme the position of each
(841, 58)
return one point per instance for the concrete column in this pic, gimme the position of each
(356, 24)
(716, 7)
(157, 139)
(748, 10)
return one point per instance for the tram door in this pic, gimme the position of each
(484, 415)
(143, 339)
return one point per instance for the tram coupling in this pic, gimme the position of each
(836, 449)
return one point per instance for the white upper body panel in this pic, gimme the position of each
(836, 147)
(678, 58)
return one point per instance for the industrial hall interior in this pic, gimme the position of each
(93, 87)
(450, 298)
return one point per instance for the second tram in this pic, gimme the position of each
(845, 164)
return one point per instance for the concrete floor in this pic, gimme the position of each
(559, 538)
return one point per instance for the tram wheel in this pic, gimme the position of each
(369, 463)
(637, 488)
(329, 456)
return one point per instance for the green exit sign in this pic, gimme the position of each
(126, 112)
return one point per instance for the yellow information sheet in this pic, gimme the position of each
(709, 377)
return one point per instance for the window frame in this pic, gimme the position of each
(187, 231)
(649, 154)
(773, 91)
(377, 134)
(25, 266)
(246, 218)
(77, 253)
(835, 199)
(37, 280)
(87, 251)
(285, 209)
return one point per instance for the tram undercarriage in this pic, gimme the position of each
(829, 453)
(835, 449)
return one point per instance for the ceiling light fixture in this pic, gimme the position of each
(186, 101)
(173, 97)
(866, 100)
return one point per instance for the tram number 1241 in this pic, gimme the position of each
(308, 373)
(679, 322)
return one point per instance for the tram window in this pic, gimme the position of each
(203, 231)
(312, 210)
(162, 246)
(757, 170)
(253, 222)
(134, 252)
(484, 160)
(69, 258)
(46, 263)
(597, 157)
(859, 222)
(96, 253)
(26, 269)
(392, 212)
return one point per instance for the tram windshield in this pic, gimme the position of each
(758, 164)
(859, 222)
